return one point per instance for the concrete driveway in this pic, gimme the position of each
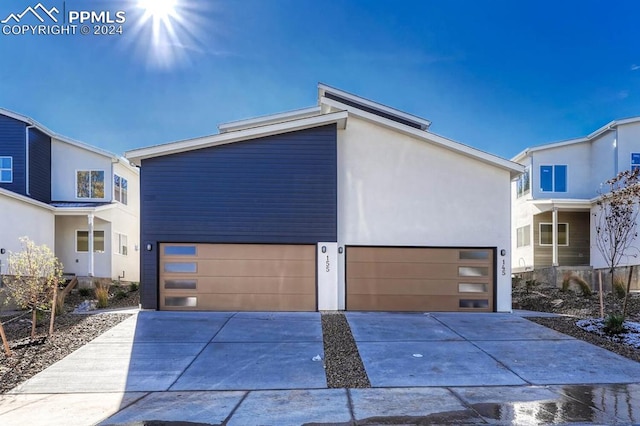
(259, 368)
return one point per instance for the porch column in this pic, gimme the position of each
(90, 219)
(554, 236)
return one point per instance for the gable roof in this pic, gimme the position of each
(53, 135)
(334, 106)
(606, 128)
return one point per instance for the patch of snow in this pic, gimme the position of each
(630, 337)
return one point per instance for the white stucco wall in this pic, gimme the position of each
(628, 142)
(66, 160)
(396, 190)
(18, 219)
(603, 165)
(125, 219)
(74, 261)
(576, 157)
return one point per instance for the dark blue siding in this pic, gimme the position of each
(39, 166)
(12, 144)
(279, 189)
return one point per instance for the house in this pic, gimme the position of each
(349, 204)
(554, 201)
(79, 200)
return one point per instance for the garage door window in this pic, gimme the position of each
(180, 250)
(473, 271)
(474, 303)
(181, 267)
(474, 255)
(181, 284)
(472, 288)
(182, 302)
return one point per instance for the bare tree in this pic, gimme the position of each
(33, 275)
(616, 219)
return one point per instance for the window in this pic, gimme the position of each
(523, 184)
(82, 241)
(546, 234)
(523, 236)
(6, 169)
(120, 244)
(90, 184)
(120, 189)
(553, 178)
(635, 161)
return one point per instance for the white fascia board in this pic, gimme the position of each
(323, 88)
(515, 169)
(233, 126)
(561, 203)
(75, 211)
(137, 155)
(24, 199)
(31, 122)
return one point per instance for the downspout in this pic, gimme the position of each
(90, 248)
(27, 146)
(615, 154)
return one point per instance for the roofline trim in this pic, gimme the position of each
(323, 88)
(607, 127)
(264, 120)
(31, 122)
(137, 155)
(26, 199)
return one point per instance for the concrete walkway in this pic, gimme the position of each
(259, 369)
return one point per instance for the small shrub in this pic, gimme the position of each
(530, 284)
(614, 324)
(84, 292)
(619, 288)
(585, 289)
(102, 294)
(133, 287)
(120, 294)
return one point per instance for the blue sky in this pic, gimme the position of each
(496, 75)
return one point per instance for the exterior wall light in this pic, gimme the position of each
(324, 249)
(503, 252)
(149, 247)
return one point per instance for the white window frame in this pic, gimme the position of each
(119, 190)
(94, 237)
(526, 233)
(10, 169)
(104, 183)
(634, 165)
(558, 234)
(117, 244)
(520, 183)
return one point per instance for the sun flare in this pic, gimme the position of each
(158, 10)
(167, 30)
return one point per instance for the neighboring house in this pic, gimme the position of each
(347, 205)
(79, 200)
(554, 201)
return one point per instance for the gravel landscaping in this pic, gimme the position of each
(70, 333)
(575, 308)
(343, 365)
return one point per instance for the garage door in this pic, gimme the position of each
(237, 277)
(419, 279)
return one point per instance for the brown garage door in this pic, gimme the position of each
(419, 279)
(237, 277)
